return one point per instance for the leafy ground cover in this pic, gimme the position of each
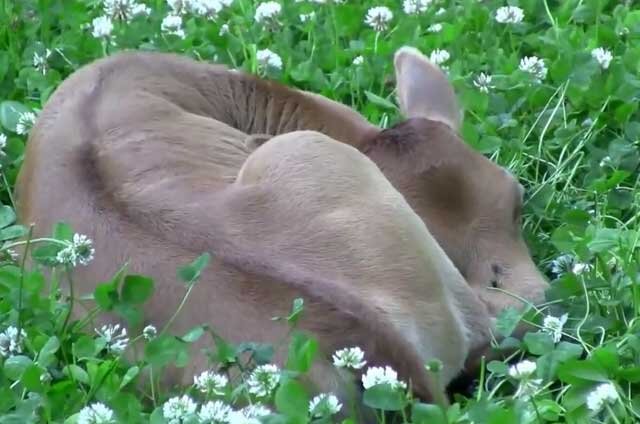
(550, 90)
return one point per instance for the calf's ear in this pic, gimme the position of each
(423, 89)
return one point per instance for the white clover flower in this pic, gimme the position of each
(358, 60)
(603, 393)
(437, 27)
(522, 370)
(172, 24)
(210, 382)
(140, 9)
(562, 264)
(84, 248)
(567, 263)
(96, 413)
(40, 61)
(124, 10)
(79, 250)
(509, 15)
(3, 144)
(149, 332)
(238, 417)
(26, 120)
(553, 326)
(379, 375)
(178, 6)
(10, 343)
(534, 66)
(324, 405)
(214, 412)
(267, 11)
(249, 414)
(305, 17)
(263, 380)
(580, 267)
(483, 82)
(101, 27)
(378, 18)
(224, 29)
(349, 357)
(439, 56)
(209, 8)
(66, 256)
(256, 410)
(116, 339)
(602, 56)
(267, 58)
(412, 7)
(179, 409)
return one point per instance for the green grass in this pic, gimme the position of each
(572, 138)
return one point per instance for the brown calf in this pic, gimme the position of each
(140, 152)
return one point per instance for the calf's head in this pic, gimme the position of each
(472, 206)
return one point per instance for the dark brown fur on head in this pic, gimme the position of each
(471, 205)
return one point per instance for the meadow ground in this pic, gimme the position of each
(550, 89)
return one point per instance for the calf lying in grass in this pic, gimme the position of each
(140, 151)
